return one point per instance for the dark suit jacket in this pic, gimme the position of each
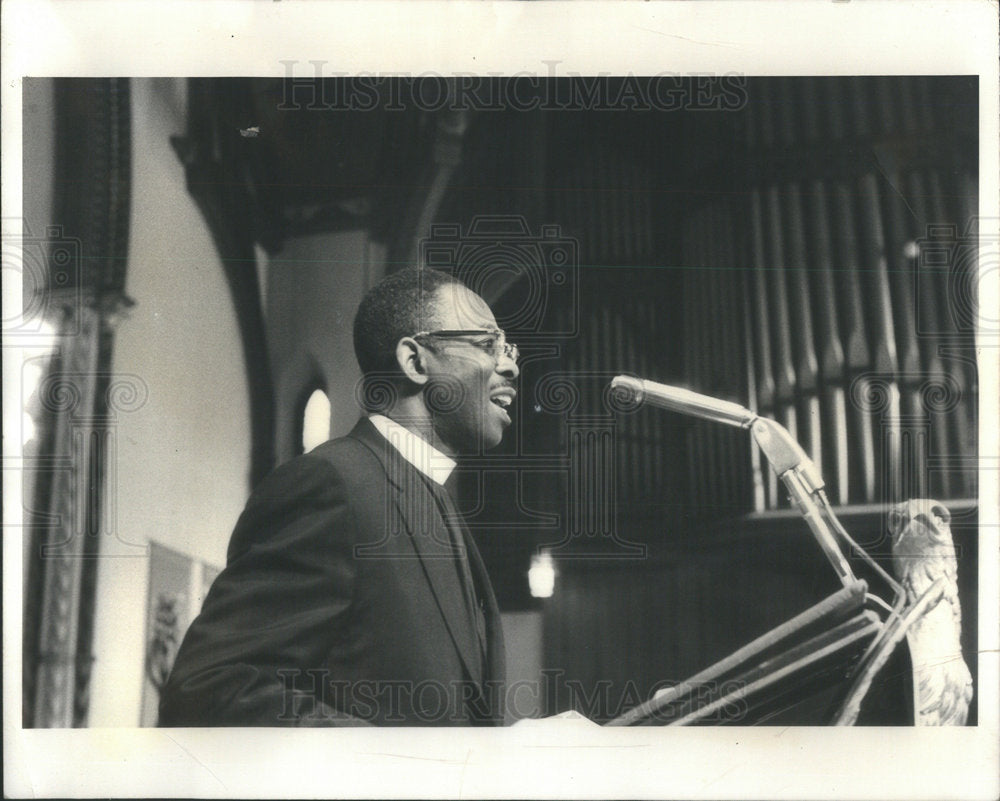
(340, 604)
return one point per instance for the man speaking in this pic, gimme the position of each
(353, 593)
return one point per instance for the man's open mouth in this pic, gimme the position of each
(503, 399)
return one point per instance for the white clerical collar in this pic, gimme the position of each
(434, 464)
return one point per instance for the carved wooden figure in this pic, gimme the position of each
(924, 555)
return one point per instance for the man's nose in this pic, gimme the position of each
(507, 367)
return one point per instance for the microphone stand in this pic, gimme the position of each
(805, 485)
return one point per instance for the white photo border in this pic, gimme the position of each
(253, 37)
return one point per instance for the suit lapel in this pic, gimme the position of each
(429, 535)
(496, 668)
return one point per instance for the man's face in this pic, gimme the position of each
(470, 393)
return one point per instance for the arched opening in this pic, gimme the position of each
(315, 420)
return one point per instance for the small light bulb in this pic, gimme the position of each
(542, 575)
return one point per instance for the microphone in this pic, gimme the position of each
(685, 401)
(790, 463)
(781, 450)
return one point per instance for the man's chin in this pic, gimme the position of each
(485, 442)
(493, 435)
(474, 439)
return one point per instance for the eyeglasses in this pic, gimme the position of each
(497, 344)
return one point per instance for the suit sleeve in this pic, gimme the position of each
(273, 614)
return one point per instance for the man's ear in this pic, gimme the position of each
(410, 360)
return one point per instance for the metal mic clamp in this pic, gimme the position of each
(804, 483)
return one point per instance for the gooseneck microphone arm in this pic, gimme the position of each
(684, 401)
(796, 470)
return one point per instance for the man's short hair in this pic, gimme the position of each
(400, 305)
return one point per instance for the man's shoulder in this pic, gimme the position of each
(351, 451)
(346, 466)
(344, 458)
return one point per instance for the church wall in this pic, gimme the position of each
(314, 285)
(38, 175)
(179, 476)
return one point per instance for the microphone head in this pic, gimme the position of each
(628, 389)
